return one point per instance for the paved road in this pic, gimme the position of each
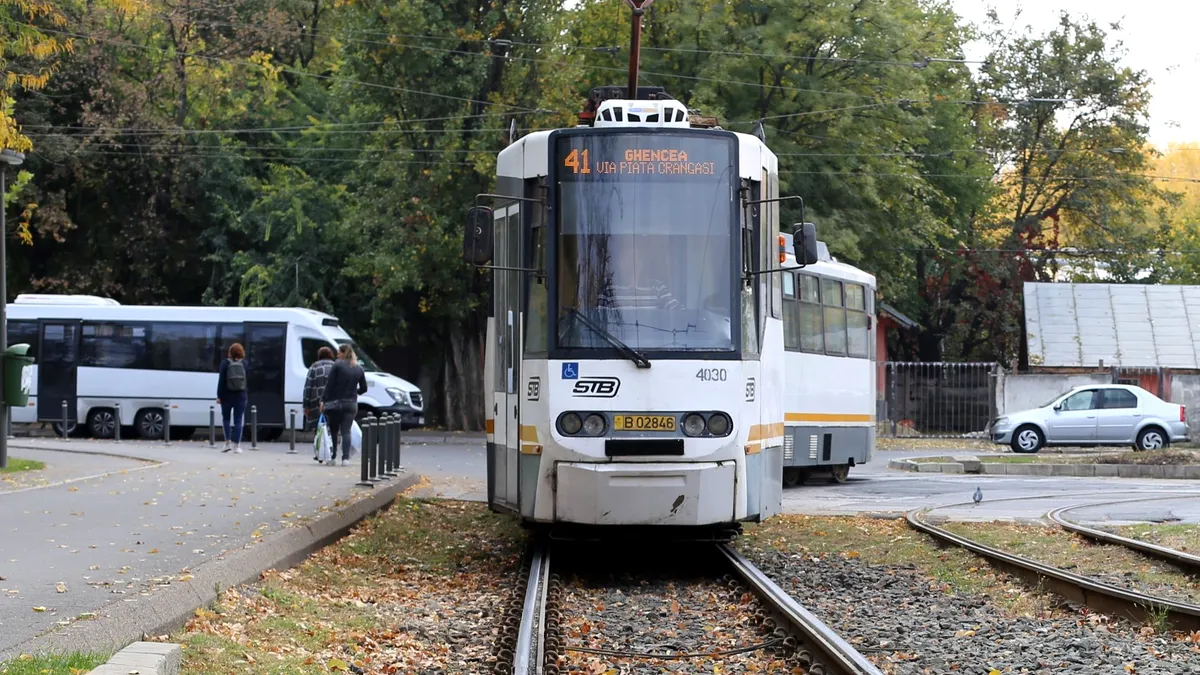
(112, 529)
(458, 470)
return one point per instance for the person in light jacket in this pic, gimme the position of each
(339, 401)
(233, 395)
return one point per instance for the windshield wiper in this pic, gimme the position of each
(628, 352)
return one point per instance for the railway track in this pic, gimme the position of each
(1102, 597)
(1181, 559)
(540, 641)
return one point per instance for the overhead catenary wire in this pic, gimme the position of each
(285, 69)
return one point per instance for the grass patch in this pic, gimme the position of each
(1181, 537)
(893, 543)
(1152, 457)
(1114, 565)
(15, 464)
(75, 663)
(388, 598)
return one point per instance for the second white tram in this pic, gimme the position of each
(635, 354)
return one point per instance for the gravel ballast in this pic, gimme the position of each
(908, 624)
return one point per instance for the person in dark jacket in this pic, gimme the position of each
(340, 398)
(233, 395)
(314, 384)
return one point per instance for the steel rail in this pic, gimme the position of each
(1099, 596)
(527, 657)
(831, 652)
(1181, 559)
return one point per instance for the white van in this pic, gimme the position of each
(99, 357)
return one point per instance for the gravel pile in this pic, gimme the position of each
(907, 624)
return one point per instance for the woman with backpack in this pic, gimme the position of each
(233, 396)
(339, 401)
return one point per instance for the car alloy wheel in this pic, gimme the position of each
(1151, 439)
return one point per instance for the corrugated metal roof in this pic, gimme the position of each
(1131, 325)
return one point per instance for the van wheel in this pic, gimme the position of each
(149, 424)
(73, 429)
(102, 423)
(1028, 439)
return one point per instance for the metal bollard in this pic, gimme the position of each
(369, 429)
(292, 439)
(253, 427)
(393, 439)
(376, 446)
(64, 420)
(385, 447)
(167, 423)
(117, 423)
(397, 465)
(212, 426)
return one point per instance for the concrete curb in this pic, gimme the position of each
(144, 658)
(168, 609)
(974, 466)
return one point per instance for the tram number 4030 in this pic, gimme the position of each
(712, 375)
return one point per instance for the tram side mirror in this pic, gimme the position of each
(804, 243)
(477, 240)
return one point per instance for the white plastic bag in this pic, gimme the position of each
(322, 444)
(355, 438)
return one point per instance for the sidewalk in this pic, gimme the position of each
(88, 549)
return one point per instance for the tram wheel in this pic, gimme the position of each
(839, 472)
(793, 476)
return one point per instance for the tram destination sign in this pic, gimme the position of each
(610, 156)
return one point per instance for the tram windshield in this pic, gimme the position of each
(646, 241)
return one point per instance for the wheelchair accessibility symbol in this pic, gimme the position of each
(570, 371)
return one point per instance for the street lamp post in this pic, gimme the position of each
(7, 158)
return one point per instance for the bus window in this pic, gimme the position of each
(24, 332)
(186, 347)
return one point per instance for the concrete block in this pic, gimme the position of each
(1129, 471)
(930, 467)
(948, 467)
(1107, 470)
(1085, 470)
(901, 465)
(1040, 469)
(969, 463)
(1156, 471)
(1176, 471)
(170, 654)
(994, 468)
(144, 664)
(1061, 469)
(1191, 471)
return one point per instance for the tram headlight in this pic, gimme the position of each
(719, 424)
(594, 425)
(570, 424)
(693, 424)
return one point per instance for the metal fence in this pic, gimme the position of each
(936, 400)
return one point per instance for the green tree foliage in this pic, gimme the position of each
(323, 152)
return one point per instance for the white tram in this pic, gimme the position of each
(635, 350)
(829, 341)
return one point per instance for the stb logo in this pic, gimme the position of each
(596, 387)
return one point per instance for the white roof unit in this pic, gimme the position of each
(626, 113)
(64, 299)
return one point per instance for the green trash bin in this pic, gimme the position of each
(18, 375)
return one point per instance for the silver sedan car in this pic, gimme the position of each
(1109, 414)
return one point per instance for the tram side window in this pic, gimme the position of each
(791, 313)
(857, 333)
(114, 345)
(835, 317)
(189, 347)
(24, 332)
(537, 296)
(812, 332)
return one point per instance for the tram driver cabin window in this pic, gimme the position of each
(825, 316)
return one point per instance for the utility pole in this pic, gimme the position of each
(14, 159)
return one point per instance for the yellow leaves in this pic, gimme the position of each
(964, 633)
(39, 608)
(338, 664)
(60, 587)
(993, 671)
(1130, 668)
